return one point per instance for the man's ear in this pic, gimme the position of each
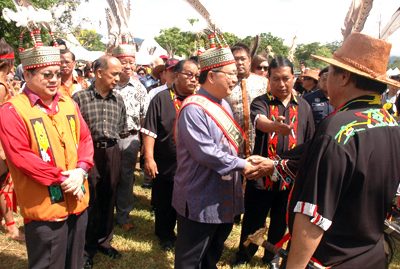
(99, 73)
(345, 78)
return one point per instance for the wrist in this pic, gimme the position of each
(85, 174)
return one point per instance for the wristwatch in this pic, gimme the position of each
(84, 173)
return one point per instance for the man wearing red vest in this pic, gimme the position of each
(49, 153)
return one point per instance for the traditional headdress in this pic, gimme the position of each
(120, 41)
(34, 19)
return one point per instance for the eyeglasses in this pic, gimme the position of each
(141, 74)
(229, 75)
(307, 78)
(65, 62)
(264, 68)
(190, 76)
(49, 76)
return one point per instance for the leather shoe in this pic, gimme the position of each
(110, 252)
(88, 263)
(167, 245)
(274, 265)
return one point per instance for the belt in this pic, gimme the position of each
(104, 144)
(131, 132)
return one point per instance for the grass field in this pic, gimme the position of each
(140, 249)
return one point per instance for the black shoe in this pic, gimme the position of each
(110, 252)
(146, 186)
(274, 265)
(237, 263)
(88, 264)
(167, 245)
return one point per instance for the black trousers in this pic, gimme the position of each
(199, 245)
(103, 181)
(165, 214)
(257, 205)
(56, 244)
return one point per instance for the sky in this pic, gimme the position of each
(311, 20)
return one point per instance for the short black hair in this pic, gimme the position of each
(195, 58)
(179, 66)
(280, 61)
(241, 46)
(363, 83)
(141, 69)
(59, 42)
(203, 74)
(68, 51)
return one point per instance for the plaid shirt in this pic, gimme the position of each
(105, 117)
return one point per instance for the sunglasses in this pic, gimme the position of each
(49, 76)
(264, 68)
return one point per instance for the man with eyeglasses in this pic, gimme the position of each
(159, 147)
(136, 102)
(319, 99)
(248, 87)
(70, 83)
(310, 81)
(105, 113)
(49, 152)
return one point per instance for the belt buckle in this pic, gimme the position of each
(102, 145)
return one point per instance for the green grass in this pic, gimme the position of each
(139, 249)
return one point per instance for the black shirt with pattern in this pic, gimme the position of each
(105, 117)
(347, 179)
(159, 124)
(297, 112)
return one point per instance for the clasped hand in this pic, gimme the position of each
(257, 167)
(73, 183)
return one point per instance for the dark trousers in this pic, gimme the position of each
(199, 245)
(56, 244)
(103, 181)
(165, 214)
(257, 205)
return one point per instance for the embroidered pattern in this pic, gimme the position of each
(371, 118)
(47, 155)
(311, 210)
(72, 125)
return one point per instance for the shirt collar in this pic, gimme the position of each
(293, 98)
(206, 94)
(34, 98)
(95, 93)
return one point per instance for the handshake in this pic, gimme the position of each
(257, 167)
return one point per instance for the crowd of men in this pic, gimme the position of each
(217, 141)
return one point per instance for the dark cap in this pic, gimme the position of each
(323, 70)
(171, 63)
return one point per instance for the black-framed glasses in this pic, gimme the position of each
(307, 78)
(190, 76)
(229, 75)
(141, 74)
(49, 76)
(66, 63)
(261, 67)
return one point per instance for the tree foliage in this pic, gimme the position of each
(394, 63)
(11, 33)
(304, 51)
(89, 39)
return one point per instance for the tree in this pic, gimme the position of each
(304, 52)
(89, 39)
(334, 46)
(394, 63)
(11, 33)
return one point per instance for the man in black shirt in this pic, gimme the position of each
(349, 172)
(105, 114)
(159, 147)
(282, 121)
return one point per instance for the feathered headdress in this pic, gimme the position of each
(255, 44)
(391, 26)
(356, 16)
(33, 19)
(119, 34)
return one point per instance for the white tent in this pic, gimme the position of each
(81, 54)
(393, 72)
(143, 57)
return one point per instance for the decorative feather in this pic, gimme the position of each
(211, 25)
(128, 10)
(391, 26)
(356, 16)
(114, 11)
(293, 48)
(255, 44)
(124, 20)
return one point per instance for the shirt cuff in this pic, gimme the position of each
(241, 164)
(83, 165)
(149, 133)
(311, 210)
(62, 179)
